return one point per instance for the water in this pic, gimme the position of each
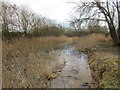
(75, 73)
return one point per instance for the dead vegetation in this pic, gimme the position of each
(90, 41)
(107, 69)
(29, 63)
(103, 59)
(104, 65)
(24, 46)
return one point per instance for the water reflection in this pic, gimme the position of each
(76, 72)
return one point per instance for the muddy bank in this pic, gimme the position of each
(103, 61)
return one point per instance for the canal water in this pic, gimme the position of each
(75, 73)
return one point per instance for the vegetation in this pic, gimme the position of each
(90, 41)
(91, 29)
(19, 22)
(105, 68)
(107, 11)
(97, 29)
(103, 59)
(29, 39)
(30, 62)
(24, 46)
(77, 33)
(47, 31)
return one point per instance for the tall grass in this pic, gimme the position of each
(25, 45)
(90, 41)
(25, 66)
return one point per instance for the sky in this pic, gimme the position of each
(58, 10)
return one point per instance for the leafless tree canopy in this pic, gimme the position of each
(108, 11)
(21, 18)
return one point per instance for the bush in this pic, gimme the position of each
(77, 33)
(37, 32)
(10, 35)
(98, 29)
(47, 31)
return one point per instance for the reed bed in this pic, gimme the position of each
(90, 41)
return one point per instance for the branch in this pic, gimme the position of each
(91, 19)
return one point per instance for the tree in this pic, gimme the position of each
(5, 16)
(26, 17)
(21, 20)
(8, 17)
(108, 11)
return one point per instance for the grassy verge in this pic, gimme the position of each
(104, 64)
(28, 63)
(103, 60)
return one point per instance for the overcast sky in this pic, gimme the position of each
(59, 10)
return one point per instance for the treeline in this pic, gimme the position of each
(21, 21)
(94, 28)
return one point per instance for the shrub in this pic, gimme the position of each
(98, 29)
(77, 33)
(10, 35)
(47, 31)
(37, 32)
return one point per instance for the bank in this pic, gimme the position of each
(103, 61)
(102, 58)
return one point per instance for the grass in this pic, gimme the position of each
(90, 41)
(25, 46)
(32, 72)
(110, 78)
(103, 59)
(28, 63)
(104, 65)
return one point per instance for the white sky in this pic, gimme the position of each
(59, 10)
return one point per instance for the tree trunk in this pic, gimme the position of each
(25, 32)
(118, 12)
(118, 31)
(109, 20)
(119, 35)
(113, 34)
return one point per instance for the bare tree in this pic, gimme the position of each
(108, 11)
(38, 21)
(9, 16)
(22, 19)
(4, 15)
(26, 18)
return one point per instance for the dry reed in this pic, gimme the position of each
(90, 41)
(25, 66)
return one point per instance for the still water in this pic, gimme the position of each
(75, 73)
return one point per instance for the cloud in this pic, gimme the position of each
(58, 10)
